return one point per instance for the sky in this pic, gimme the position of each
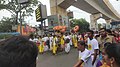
(77, 12)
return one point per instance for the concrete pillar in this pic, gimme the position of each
(60, 12)
(93, 23)
(108, 25)
(55, 9)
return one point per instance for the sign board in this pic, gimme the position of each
(38, 14)
(53, 21)
(65, 21)
(23, 1)
(14, 27)
(70, 14)
(108, 25)
(41, 13)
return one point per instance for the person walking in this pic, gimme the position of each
(93, 47)
(84, 56)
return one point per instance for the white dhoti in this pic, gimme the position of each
(71, 42)
(67, 47)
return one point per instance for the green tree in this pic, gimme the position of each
(6, 24)
(82, 23)
(14, 8)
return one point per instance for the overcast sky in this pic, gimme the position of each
(77, 12)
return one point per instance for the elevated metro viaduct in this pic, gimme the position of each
(97, 9)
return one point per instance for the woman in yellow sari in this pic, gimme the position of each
(75, 40)
(41, 46)
(54, 50)
(62, 42)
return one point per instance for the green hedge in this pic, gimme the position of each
(4, 36)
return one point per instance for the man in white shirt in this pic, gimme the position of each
(93, 47)
(70, 35)
(35, 39)
(51, 41)
(46, 38)
(84, 56)
(31, 37)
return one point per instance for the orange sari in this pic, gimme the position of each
(104, 65)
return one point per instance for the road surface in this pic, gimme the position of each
(60, 60)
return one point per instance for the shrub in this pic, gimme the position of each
(4, 36)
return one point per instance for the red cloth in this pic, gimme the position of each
(117, 39)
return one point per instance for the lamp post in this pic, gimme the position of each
(20, 21)
(22, 2)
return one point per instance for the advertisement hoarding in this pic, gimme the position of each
(41, 12)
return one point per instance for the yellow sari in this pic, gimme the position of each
(54, 45)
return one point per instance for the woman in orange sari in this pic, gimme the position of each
(111, 55)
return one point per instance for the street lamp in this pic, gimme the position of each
(22, 2)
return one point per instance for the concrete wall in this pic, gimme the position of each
(58, 13)
(56, 9)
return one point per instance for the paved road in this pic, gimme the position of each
(60, 60)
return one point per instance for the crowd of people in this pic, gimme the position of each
(102, 49)
(53, 42)
(90, 45)
(96, 49)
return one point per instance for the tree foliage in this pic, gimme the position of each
(6, 24)
(14, 8)
(82, 23)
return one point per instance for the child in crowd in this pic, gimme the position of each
(84, 56)
(67, 45)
